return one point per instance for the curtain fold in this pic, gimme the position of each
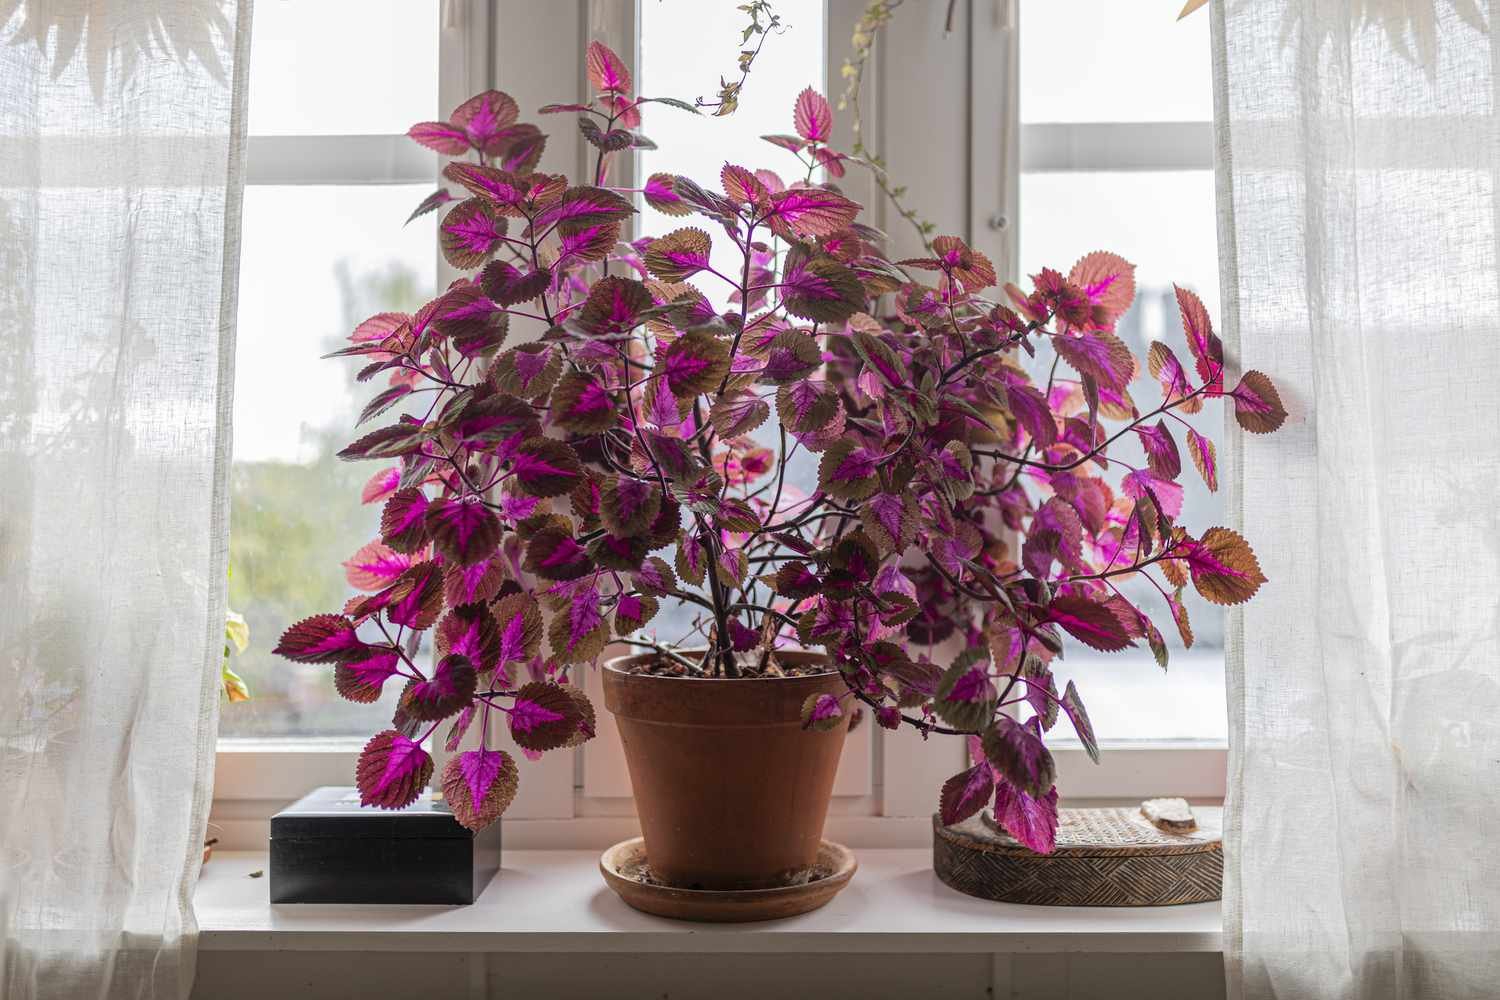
(1358, 161)
(122, 141)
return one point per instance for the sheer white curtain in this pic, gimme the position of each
(1359, 161)
(121, 153)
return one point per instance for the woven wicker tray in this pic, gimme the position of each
(1104, 857)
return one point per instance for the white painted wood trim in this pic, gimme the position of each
(555, 901)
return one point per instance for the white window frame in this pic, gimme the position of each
(932, 111)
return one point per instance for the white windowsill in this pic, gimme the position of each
(556, 901)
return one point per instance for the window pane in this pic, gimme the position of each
(315, 262)
(342, 67)
(1101, 61)
(1164, 223)
(686, 45)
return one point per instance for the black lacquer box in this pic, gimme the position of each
(326, 848)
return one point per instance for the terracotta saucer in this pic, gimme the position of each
(620, 862)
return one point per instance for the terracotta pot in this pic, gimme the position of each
(731, 791)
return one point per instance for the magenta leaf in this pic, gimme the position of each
(448, 690)
(606, 71)
(578, 632)
(812, 116)
(374, 566)
(849, 471)
(1055, 533)
(470, 631)
(1073, 705)
(471, 232)
(486, 119)
(966, 793)
(1201, 449)
(629, 506)
(965, 698)
(1257, 405)
(1203, 343)
(1090, 622)
(581, 405)
(544, 716)
(403, 520)
(661, 194)
(553, 554)
(1016, 751)
(614, 306)
(808, 407)
(1031, 820)
(1098, 354)
(821, 712)
(583, 206)
(545, 468)
(633, 611)
(1161, 449)
(791, 357)
(440, 137)
(1109, 282)
(1030, 408)
(431, 203)
(361, 679)
(678, 255)
(809, 211)
(1224, 569)
(417, 597)
(392, 771)
(519, 621)
(464, 531)
(479, 581)
(819, 287)
(695, 363)
(387, 442)
(479, 785)
(320, 639)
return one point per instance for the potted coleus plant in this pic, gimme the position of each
(542, 500)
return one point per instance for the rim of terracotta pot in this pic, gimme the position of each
(715, 701)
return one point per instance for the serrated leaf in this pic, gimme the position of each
(464, 531)
(694, 363)
(849, 471)
(543, 717)
(320, 639)
(628, 506)
(545, 468)
(1090, 622)
(1223, 567)
(447, 691)
(818, 287)
(553, 554)
(678, 255)
(812, 116)
(470, 233)
(1201, 449)
(965, 698)
(479, 785)
(633, 611)
(1257, 405)
(1031, 820)
(392, 771)
(1016, 751)
(808, 407)
(821, 713)
(738, 413)
(966, 793)
(581, 405)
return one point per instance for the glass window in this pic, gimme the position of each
(693, 44)
(342, 67)
(1098, 61)
(315, 261)
(1087, 63)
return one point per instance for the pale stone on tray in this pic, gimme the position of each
(1171, 815)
